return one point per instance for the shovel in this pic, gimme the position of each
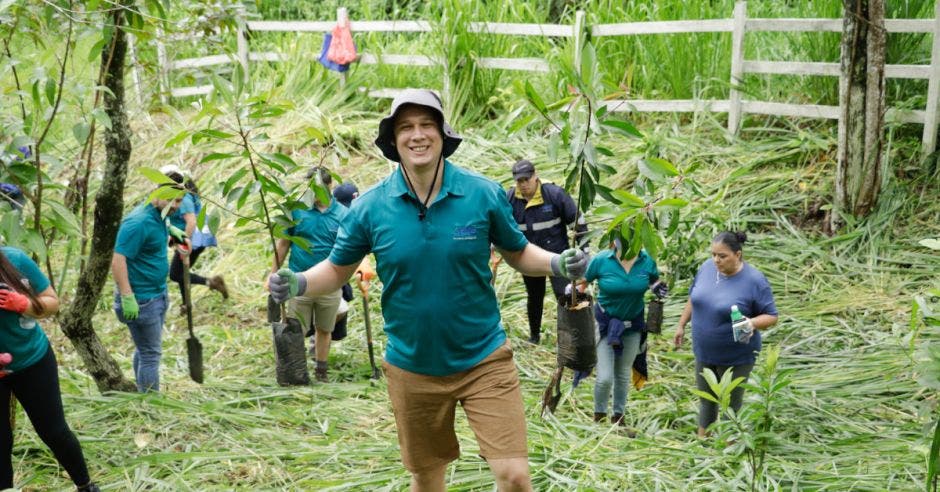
(193, 346)
(364, 288)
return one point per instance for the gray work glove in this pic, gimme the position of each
(571, 264)
(286, 284)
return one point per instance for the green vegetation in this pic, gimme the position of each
(849, 403)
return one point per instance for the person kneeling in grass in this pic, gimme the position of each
(430, 225)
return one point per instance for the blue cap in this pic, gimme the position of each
(345, 193)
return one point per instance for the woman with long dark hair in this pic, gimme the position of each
(28, 369)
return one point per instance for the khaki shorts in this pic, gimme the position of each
(424, 409)
(319, 311)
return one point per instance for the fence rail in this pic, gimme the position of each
(739, 25)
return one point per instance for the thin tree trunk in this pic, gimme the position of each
(859, 170)
(109, 205)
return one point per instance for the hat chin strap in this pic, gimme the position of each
(423, 206)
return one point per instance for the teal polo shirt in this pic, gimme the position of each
(25, 341)
(441, 315)
(189, 205)
(621, 293)
(320, 229)
(142, 240)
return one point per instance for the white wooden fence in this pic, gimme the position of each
(739, 25)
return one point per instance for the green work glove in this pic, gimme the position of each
(129, 307)
(178, 235)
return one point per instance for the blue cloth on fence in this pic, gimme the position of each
(327, 39)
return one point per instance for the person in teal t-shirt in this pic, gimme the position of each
(430, 225)
(29, 370)
(318, 226)
(139, 267)
(622, 283)
(185, 218)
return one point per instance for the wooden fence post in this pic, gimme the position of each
(163, 81)
(243, 42)
(737, 67)
(342, 15)
(933, 89)
(578, 29)
(135, 70)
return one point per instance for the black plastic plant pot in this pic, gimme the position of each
(654, 316)
(576, 334)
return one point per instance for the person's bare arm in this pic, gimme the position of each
(531, 260)
(763, 321)
(119, 272)
(326, 277)
(683, 320)
(49, 304)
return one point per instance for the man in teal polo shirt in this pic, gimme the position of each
(139, 267)
(430, 225)
(318, 226)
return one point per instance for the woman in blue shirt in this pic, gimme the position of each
(622, 283)
(724, 281)
(29, 370)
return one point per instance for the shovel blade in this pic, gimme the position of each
(194, 352)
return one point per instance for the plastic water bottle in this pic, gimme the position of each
(740, 330)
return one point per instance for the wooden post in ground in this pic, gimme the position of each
(342, 16)
(135, 71)
(243, 42)
(163, 81)
(737, 67)
(933, 89)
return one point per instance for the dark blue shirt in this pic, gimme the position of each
(712, 295)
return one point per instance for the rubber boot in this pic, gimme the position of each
(89, 487)
(618, 419)
(217, 283)
(321, 371)
(600, 417)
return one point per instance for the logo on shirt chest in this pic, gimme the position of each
(465, 233)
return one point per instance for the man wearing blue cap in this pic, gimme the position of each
(430, 225)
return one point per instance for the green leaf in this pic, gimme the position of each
(560, 103)
(627, 198)
(201, 218)
(671, 203)
(588, 67)
(179, 137)
(155, 176)
(520, 123)
(51, 90)
(605, 152)
(165, 193)
(234, 178)
(81, 130)
(101, 117)
(215, 156)
(535, 99)
(64, 221)
(95, 52)
(662, 166)
(622, 127)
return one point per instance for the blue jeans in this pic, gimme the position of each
(147, 333)
(613, 370)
